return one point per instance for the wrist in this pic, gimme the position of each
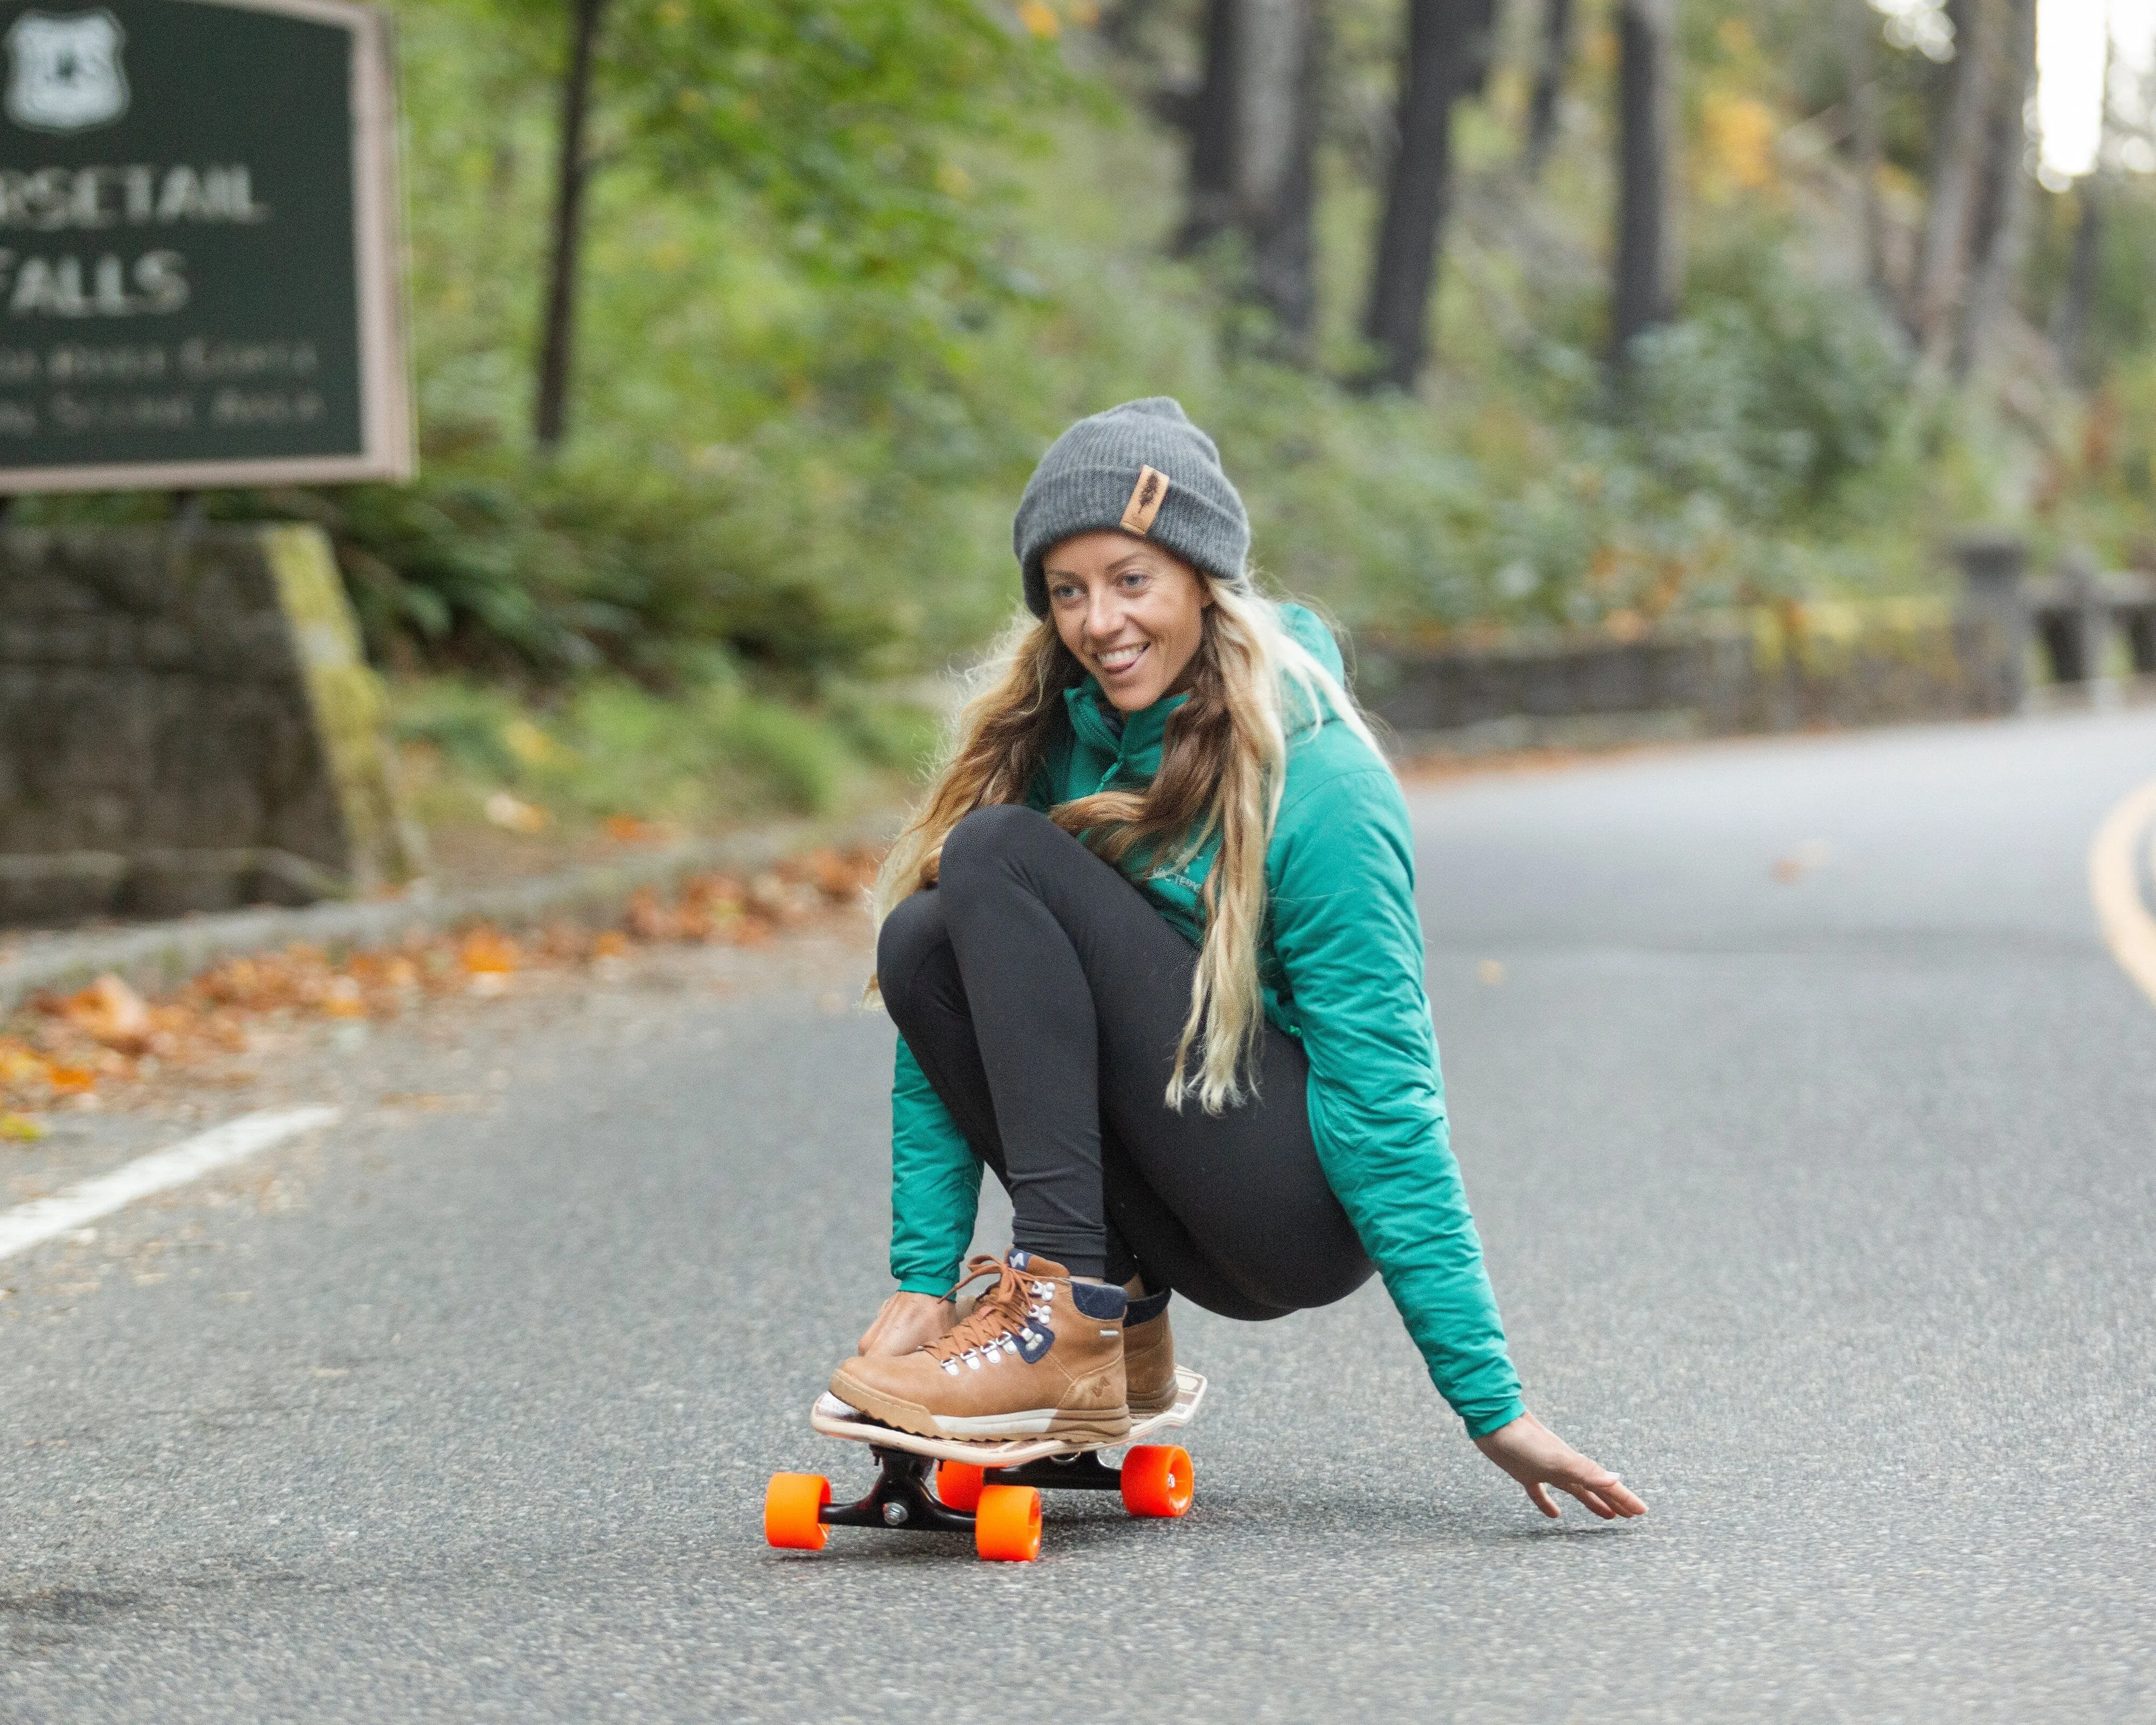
(1490, 1425)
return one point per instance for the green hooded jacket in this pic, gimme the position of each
(1342, 961)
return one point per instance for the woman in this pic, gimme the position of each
(1152, 948)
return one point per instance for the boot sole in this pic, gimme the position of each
(1076, 1425)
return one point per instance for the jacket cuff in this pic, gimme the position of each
(1483, 1425)
(936, 1286)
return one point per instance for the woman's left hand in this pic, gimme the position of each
(1538, 1459)
(905, 1321)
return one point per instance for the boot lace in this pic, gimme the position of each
(1006, 1315)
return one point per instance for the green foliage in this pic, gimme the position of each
(568, 565)
(841, 116)
(1776, 390)
(851, 263)
(610, 747)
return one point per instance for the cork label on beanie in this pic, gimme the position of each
(1146, 496)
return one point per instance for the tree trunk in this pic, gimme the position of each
(1644, 291)
(550, 415)
(1209, 191)
(1999, 232)
(1941, 283)
(1279, 60)
(1859, 22)
(1445, 41)
(1553, 58)
(2070, 326)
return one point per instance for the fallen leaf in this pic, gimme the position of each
(513, 814)
(649, 919)
(21, 1129)
(111, 1013)
(487, 952)
(1812, 854)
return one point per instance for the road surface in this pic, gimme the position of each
(1811, 1127)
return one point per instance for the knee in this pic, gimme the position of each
(989, 837)
(909, 937)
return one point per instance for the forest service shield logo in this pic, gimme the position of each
(64, 73)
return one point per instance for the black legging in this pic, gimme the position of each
(1043, 996)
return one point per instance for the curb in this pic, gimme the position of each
(164, 955)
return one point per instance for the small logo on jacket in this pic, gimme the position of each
(1146, 496)
(64, 73)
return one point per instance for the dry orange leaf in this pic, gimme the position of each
(20, 1063)
(650, 920)
(111, 1013)
(99, 1034)
(486, 952)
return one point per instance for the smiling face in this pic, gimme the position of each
(1133, 613)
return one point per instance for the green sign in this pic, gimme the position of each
(198, 256)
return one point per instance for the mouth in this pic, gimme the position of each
(1118, 660)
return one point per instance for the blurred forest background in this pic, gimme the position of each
(739, 324)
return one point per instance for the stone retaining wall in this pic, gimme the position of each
(186, 724)
(2006, 643)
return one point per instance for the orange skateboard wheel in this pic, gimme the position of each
(1007, 1524)
(958, 1484)
(1158, 1479)
(790, 1503)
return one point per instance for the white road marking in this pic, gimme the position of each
(32, 1223)
(2126, 839)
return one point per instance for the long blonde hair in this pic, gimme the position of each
(1222, 769)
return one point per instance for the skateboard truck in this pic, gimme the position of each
(900, 1498)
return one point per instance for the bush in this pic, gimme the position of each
(611, 747)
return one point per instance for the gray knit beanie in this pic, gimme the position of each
(1142, 468)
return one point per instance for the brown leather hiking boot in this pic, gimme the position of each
(1040, 1355)
(1149, 1356)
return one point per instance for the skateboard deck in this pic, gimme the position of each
(988, 1487)
(834, 1418)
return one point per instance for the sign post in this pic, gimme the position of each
(200, 266)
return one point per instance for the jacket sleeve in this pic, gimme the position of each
(935, 1183)
(1351, 949)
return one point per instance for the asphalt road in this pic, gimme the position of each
(1819, 1200)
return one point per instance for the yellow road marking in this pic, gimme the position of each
(2127, 836)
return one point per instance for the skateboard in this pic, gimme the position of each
(990, 1489)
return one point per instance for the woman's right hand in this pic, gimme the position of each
(905, 1321)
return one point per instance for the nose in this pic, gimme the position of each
(1104, 613)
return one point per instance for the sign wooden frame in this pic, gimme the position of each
(387, 431)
